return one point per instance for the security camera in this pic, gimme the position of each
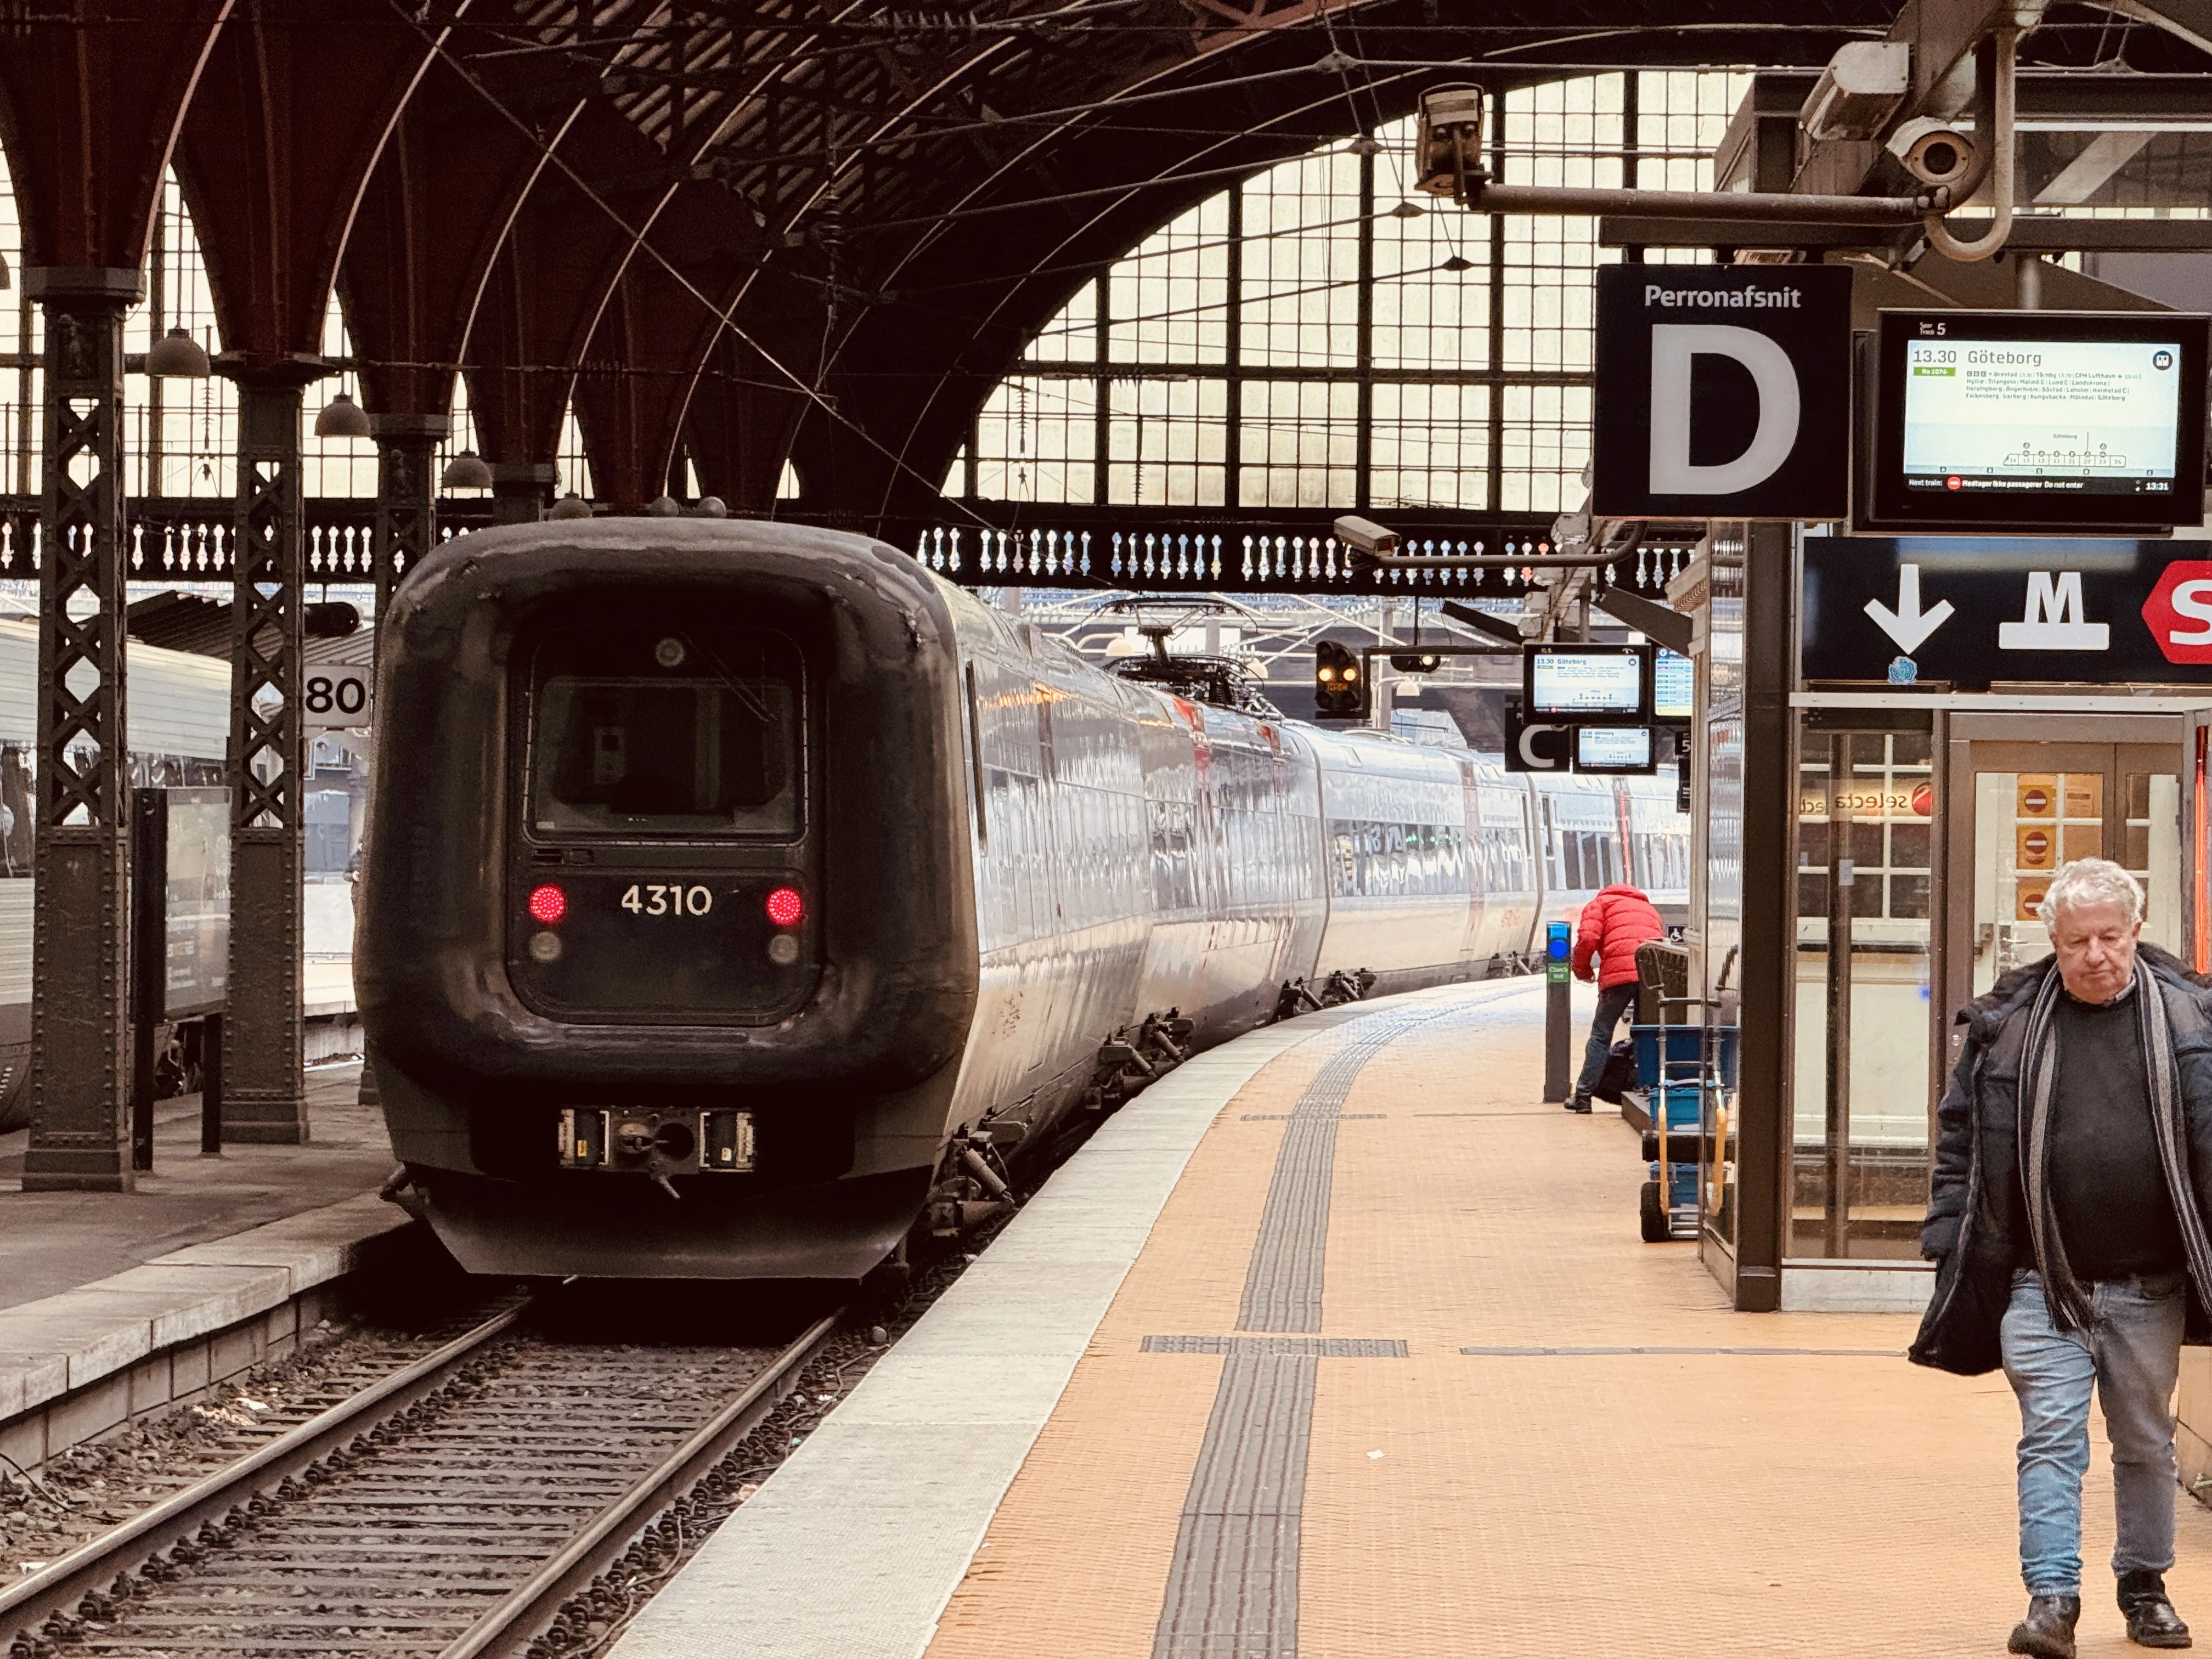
(1933, 153)
(1365, 536)
(1448, 140)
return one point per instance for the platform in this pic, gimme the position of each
(1337, 1343)
(115, 1303)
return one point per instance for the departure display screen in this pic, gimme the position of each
(1588, 680)
(2034, 418)
(1612, 748)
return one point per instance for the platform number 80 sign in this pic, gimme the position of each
(331, 697)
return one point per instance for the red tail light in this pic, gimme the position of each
(548, 903)
(785, 907)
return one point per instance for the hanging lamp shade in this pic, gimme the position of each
(663, 507)
(342, 417)
(711, 507)
(467, 471)
(571, 506)
(177, 357)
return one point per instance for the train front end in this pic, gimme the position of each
(666, 947)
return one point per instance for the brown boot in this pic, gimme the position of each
(2048, 1630)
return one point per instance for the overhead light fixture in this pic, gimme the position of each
(342, 417)
(711, 507)
(1366, 144)
(1858, 91)
(1456, 263)
(1407, 210)
(571, 506)
(664, 506)
(177, 357)
(467, 471)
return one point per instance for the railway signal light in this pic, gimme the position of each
(1340, 683)
(547, 904)
(1415, 662)
(785, 907)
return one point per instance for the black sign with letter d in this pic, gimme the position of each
(1723, 392)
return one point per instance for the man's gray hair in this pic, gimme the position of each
(2092, 881)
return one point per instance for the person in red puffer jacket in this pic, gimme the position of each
(1612, 926)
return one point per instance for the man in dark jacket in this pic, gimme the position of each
(1613, 924)
(2069, 1220)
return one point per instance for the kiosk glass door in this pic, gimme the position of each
(1922, 856)
(1866, 894)
(2043, 792)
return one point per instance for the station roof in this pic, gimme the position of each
(763, 228)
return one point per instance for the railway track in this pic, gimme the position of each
(449, 1510)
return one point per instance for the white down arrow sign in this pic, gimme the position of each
(1909, 624)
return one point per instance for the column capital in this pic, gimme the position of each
(402, 428)
(264, 372)
(61, 284)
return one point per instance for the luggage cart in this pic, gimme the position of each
(1682, 1069)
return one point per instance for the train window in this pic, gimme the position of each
(700, 737)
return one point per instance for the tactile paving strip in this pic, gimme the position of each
(1312, 1347)
(1283, 1286)
(1232, 1589)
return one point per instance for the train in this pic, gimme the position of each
(177, 716)
(740, 900)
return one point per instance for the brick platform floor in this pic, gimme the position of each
(1762, 1502)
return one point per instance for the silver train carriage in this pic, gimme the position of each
(178, 715)
(735, 892)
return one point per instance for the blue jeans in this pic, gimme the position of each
(1613, 1002)
(2133, 1356)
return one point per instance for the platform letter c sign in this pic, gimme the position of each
(1673, 345)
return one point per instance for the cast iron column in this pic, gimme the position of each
(264, 1095)
(522, 490)
(406, 497)
(80, 955)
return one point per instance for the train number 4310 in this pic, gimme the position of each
(657, 899)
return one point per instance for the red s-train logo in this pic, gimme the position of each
(2179, 611)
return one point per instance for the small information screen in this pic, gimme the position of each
(1597, 680)
(1674, 686)
(1612, 748)
(2038, 419)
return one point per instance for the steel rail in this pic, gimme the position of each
(86, 1574)
(529, 1610)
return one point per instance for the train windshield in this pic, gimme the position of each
(658, 732)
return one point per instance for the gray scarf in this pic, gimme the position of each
(2070, 1307)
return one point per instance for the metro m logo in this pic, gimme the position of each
(2053, 620)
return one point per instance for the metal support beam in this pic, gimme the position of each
(1767, 966)
(79, 1002)
(264, 1091)
(522, 490)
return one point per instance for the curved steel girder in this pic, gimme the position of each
(632, 386)
(1142, 173)
(286, 123)
(431, 222)
(521, 388)
(1147, 192)
(91, 98)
